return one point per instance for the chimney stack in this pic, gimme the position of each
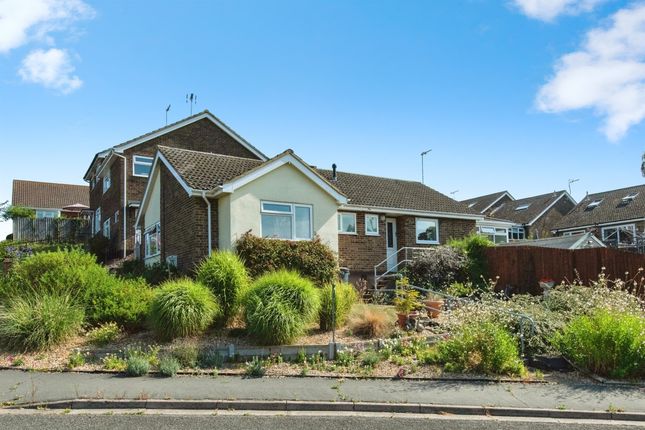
(333, 172)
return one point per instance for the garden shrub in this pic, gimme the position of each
(437, 267)
(169, 366)
(209, 358)
(123, 301)
(482, 348)
(225, 275)
(311, 258)
(186, 355)
(369, 358)
(372, 321)
(20, 249)
(182, 308)
(606, 343)
(154, 274)
(99, 246)
(137, 366)
(39, 321)
(104, 334)
(346, 297)
(279, 306)
(474, 248)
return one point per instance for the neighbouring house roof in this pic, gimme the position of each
(100, 156)
(614, 206)
(529, 209)
(48, 195)
(375, 191)
(206, 171)
(574, 241)
(482, 203)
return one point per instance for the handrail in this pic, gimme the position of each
(393, 269)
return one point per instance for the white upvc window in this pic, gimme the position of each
(427, 231)
(141, 165)
(45, 213)
(371, 225)
(571, 233)
(290, 221)
(106, 228)
(152, 238)
(346, 223)
(107, 181)
(516, 233)
(619, 234)
(494, 234)
(97, 220)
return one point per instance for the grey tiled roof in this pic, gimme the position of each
(48, 195)
(560, 242)
(204, 170)
(366, 190)
(537, 204)
(479, 204)
(612, 208)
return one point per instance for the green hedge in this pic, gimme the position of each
(311, 258)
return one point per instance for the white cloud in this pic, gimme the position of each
(52, 69)
(607, 74)
(548, 10)
(24, 20)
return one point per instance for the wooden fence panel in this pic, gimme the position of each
(522, 267)
(52, 230)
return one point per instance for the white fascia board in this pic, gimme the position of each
(188, 121)
(412, 212)
(549, 207)
(495, 223)
(231, 186)
(506, 193)
(600, 224)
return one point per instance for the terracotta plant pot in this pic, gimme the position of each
(403, 318)
(434, 307)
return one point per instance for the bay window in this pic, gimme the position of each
(427, 231)
(290, 221)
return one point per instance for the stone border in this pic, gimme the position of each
(289, 405)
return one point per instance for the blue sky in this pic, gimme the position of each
(519, 94)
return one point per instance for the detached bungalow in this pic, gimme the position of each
(196, 202)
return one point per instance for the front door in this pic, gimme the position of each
(390, 240)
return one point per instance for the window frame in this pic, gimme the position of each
(338, 221)
(292, 213)
(116, 217)
(97, 220)
(518, 230)
(618, 228)
(56, 213)
(107, 232)
(146, 246)
(378, 230)
(107, 182)
(136, 162)
(416, 235)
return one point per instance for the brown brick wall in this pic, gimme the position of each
(543, 226)
(360, 252)
(183, 224)
(202, 135)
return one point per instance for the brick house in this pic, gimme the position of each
(196, 202)
(118, 175)
(530, 217)
(617, 217)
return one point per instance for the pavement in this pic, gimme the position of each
(292, 421)
(22, 388)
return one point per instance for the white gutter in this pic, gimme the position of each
(125, 204)
(208, 208)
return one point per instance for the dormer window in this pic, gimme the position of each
(593, 205)
(523, 207)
